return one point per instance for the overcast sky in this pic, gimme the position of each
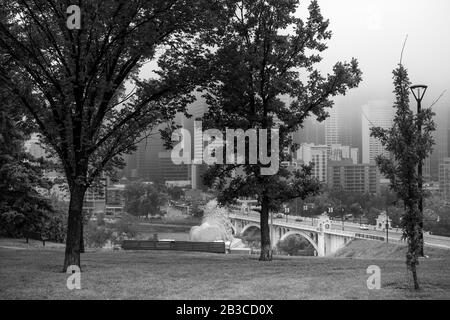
(373, 31)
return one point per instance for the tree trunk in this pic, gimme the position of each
(74, 227)
(414, 274)
(82, 236)
(266, 250)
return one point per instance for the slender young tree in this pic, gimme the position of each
(408, 147)
(70, 67)
(263, 57)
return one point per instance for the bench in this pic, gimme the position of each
(35, 236)
(213, 247)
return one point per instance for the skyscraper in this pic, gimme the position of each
(377, 113)
(441, 148)
(333, 128)
(197, 109)
(318, 155)
(151, 161)
(313, 131)
(444, 179)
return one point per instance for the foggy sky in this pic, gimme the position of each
(373, 31)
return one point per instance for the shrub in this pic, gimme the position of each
(292, 245)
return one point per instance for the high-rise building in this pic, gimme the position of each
(318, 155)
(359, 178)
(340, 152)
(344, 127)
(441, 137)
(375, 114)
(333, 128)
(152, 162)
(170, 171)
(313, 131)
(143, 163)
(197, 109)
(444, 179)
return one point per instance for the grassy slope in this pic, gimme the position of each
(362, 249)
(34, 273)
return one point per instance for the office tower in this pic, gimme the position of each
(152, 162)
(339, 152)
(375, 114)
(313, 131)
(197, 109)
(441, 136)
(316, 154)
(444, 179)
(359, 178)
(354, 155)
(351, 129)
(333, 127)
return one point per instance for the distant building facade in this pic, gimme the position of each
(359, 178)
(106, 198)
(444, 179)
(316, 154)
(340, 152)
(375, 114)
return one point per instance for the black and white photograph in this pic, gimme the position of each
(224, 155)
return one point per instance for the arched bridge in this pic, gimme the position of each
(324, 240)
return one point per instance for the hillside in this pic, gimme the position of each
(363, 249)
(34, 272)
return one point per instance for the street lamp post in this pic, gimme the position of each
(286, 212)
(419, 91)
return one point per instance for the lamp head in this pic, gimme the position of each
(418, 91)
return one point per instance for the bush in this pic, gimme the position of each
(294, 245)
(96, 236)
(98, 233)
(55, 227)
(124, 228)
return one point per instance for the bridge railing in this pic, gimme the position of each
(369, 236)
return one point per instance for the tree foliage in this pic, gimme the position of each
(81, 87)
(264, 76)
(142, 199)
(408, 147)
(22, 184)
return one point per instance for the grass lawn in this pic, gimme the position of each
(31, 272)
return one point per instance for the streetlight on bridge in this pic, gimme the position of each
(286, 211)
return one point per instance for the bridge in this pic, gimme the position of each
(321, 236)
(325, 236)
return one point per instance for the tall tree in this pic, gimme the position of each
(142, 199)
(69, 73)
(408, 146)
(263, 58)
(22, 206)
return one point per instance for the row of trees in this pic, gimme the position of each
(255, 61)
(72, 83)
(356, 204)
(79, 87)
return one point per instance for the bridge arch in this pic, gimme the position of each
(250, 225)
(233, 229)
(303, 235)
